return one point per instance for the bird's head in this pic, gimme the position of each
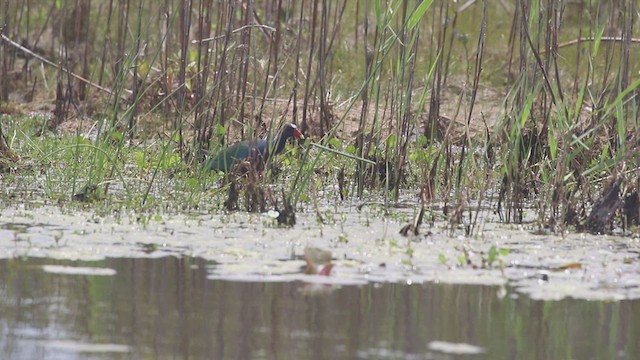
(293, 131)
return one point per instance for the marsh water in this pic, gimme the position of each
(74, 285)
(168, 308)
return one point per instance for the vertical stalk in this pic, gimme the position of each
(312, 47)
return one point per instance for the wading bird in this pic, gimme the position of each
(227, 158)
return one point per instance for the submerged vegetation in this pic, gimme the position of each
(484, 107)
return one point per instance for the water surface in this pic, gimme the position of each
(170, 308)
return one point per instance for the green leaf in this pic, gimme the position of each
(493, 254)
(117, 136)
(378, 11)
(598, 38)
(140, 158)
(335, 143)
(351, 149)
(192, 184)
(553, 144)
(622, 95)
(305, 197)
(392, 140)
(415, 17)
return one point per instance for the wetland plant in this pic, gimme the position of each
(392, 93)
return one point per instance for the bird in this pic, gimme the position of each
(227, 158)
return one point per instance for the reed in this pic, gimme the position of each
(391, 94)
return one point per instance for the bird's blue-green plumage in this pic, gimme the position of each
(227, 158)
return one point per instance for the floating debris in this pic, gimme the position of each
(455, 348)
(80, 270)
(318, 261)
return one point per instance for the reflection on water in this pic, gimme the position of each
(167, 309)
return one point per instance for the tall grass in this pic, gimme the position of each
(394, 92)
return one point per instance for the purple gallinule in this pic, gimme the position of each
(227, 158)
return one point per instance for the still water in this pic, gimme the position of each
(170, 308)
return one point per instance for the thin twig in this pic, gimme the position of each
(51, 63)
(591, 39)
(267, 27)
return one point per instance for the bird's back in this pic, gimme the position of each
(226, 159)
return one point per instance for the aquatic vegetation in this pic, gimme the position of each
(426, 99)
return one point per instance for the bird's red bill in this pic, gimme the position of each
(298, 134)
